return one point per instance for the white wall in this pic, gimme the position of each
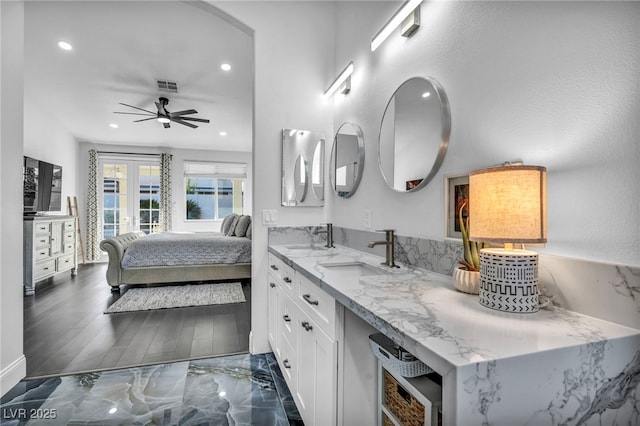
(13, 365)
(550, 83)
(293, 45)
(45, 139)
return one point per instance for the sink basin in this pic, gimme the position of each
(305, 247)
(358, 269)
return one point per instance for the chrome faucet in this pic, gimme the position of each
(329, 232)
(390, 262)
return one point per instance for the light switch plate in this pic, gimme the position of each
(367, 219)
(269, 217)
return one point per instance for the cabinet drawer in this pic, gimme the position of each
(318, 304)
(44, 268)
(65, 262)
(288, 318)
(288, 364)
(40, 241)
(68, 226)
(41, 253)
(69, 247)
(283, 272)
(69, 236)
(42, 228)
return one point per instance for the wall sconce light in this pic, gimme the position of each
(342, 82)
(508, 205)
(408, 15)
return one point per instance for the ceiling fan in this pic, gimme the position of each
(165, 117)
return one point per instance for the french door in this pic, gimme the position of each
(130, 196)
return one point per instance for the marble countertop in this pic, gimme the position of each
(444, 328)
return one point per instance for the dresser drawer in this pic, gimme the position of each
(42, 241)
(41, 253)
(317, 304)
(69, 236)
(65, 262)
(68, 226)
(44, 268)
(42, 228)
(69, 247)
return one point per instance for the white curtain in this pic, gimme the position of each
(165, 192)
(94, 233)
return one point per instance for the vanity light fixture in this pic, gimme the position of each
(342, 82)
(408, 16)
(508, 205)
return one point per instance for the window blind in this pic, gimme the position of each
(214, 169)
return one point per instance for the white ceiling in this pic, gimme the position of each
(119, 51)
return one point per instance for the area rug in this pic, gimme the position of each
(180, 296)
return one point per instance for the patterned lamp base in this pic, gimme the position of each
(509, 280)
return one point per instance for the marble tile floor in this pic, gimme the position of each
(231, 390)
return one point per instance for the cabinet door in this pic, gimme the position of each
(56, 238)
(317, 375)
(272, 320)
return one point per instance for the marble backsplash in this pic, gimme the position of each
(607, 291)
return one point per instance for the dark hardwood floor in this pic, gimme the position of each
(66, 331)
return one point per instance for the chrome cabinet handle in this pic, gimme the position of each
(287, 280)
(272, 285)
(286, 318)
(286, 363)
(307, 298)
(306, 325)
(274, 267)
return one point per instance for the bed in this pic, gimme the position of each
(169, 258)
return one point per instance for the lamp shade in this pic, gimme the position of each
(508, 204)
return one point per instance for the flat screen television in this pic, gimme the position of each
(42, 186)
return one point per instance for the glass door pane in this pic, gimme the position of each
(149, 197)
(115, 216)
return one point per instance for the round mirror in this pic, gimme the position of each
(300, 178)
(414, 134)
(347, 160)
(317, 171)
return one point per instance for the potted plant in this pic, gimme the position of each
(467, 274)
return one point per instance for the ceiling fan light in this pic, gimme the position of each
(163, 120)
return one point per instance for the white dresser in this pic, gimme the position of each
(49, 248)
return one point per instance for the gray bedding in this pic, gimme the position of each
(172, 249)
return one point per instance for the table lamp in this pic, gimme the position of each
(507, 205)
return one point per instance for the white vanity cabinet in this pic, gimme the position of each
(303, 331)
(49, 248)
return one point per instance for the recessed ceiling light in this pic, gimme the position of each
(225, 67)
(426, 94)
(113, 125)
(64, 45)
(223, 133)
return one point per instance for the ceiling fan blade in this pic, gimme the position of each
(185, 112)
(141, 109)
(202, 120)
(132, 113)
(145, 119)
(166, 125)
(177, 120)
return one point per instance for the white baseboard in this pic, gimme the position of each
(12, 374)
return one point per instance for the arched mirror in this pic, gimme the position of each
(414, 134)
(300, 178)
(347, 160)
(317, 171)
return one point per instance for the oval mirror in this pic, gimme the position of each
(347, 160)
(300, 178)
(317, 171)
(414, 134)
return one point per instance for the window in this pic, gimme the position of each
(214, 190)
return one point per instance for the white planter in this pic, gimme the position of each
(466, 281)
